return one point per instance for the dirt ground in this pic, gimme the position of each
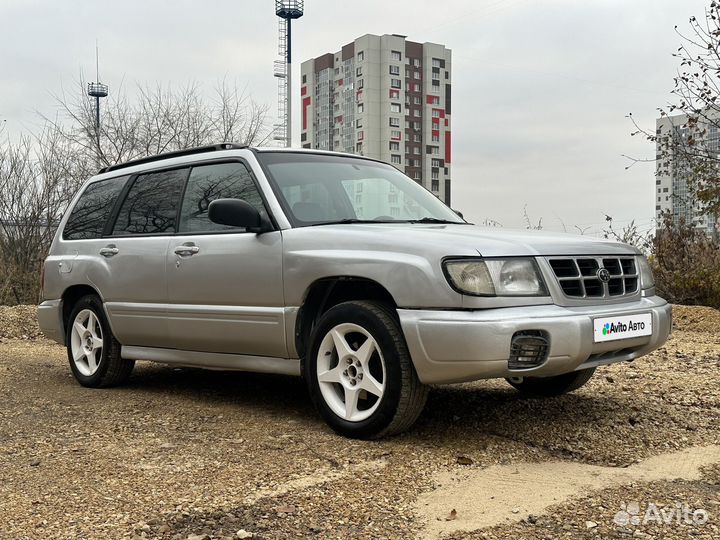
(181, 453)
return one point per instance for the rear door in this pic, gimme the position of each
(132, 273)
(224, 284)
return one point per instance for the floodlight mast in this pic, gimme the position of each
(97, 90)
(286, 10)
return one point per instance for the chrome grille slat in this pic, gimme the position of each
(583, 282)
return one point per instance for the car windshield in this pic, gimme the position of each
(318, 189)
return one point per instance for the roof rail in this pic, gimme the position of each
(177, 153)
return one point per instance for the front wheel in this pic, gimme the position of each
(551, 386)
(93, 351)
(359, 372)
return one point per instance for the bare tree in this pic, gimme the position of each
(40, 174)
(691, 145)
(38, 177)
(159, 119)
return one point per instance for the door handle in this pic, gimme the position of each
(187, 250)
(109, 251)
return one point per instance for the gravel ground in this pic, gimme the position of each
(181, 453)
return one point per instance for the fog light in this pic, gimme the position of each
(528, 349)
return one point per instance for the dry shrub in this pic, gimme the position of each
(686, 264)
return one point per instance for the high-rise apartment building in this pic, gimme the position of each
(672, 189)
(383, 97)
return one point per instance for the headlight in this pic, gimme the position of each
(495, 277)
(647, 280)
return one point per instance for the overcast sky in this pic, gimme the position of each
(541, 89)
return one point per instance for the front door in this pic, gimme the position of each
(224, 284)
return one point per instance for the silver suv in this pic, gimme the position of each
(337, 268)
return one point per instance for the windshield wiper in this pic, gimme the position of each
(354, 220)
(436, 220)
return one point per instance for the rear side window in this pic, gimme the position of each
(210, 182)
(151, 204)
(88, 217)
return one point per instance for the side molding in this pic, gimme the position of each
(220, 361)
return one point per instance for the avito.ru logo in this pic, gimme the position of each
(612, 328)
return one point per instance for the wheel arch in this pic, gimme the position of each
(69, 298)
(324, 293)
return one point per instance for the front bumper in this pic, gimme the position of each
(459, 346)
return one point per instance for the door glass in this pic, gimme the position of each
(210, 182)
(151, 204)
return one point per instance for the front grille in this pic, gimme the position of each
(578, 277)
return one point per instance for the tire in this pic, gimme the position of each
(552, 386)
(93, 351)
(375, 368)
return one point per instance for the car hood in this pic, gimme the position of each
(466, 239)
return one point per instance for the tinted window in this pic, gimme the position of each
(210, 182)
(151, 204)
(88, 217)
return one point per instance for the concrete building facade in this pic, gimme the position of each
(383, 97)
(672, 193)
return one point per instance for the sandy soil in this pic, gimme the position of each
(180, 453)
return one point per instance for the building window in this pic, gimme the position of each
(394, 122)
(360, 83)
(394, 94)
(361, 107)
(436, 185)
(395, 135)
(395, 107)
(360, 136)
(416, 175)
(435, 137)
(436, 113)
(435, 174)
(360, 56)
(358, 123)
(416, 62)
(395, 159)
(417, 112)
(436, 82)
(394, 145)
(435, 163)
(417, 137)
(304, 79)
(416, 150)
(416, 87)
(416, 125)
(396, 55)
(436, 63)
(396, 83)
(417, 75)
(358, 71)
(394, 70)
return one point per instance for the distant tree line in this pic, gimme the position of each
(40, 172)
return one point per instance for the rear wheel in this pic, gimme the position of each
(551, 386)
(93, 351)
(359, 372)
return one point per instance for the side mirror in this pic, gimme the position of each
(459, 213)
(238, 213)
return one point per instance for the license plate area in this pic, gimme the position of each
(615, 328)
